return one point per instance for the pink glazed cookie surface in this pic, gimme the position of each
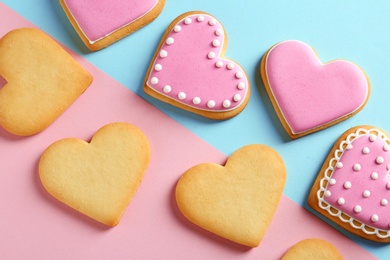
(190, 72)
(309, 95)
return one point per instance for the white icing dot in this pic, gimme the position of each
(327, 193)
(388, 185)
(374, 218)
(163, 53)
(211, 55)
(200, 18)
(357, 209)
(386, 147)
(239, 74)
(384, 202)
(212, 22)
(241, 85)
(177, 28)
(332, 181)
(379, 160)
(188, 20)
(219, 64)
(372, 138)
(366, 193)
(154, 80)
(216, 43)
(347, 185)
(218, 32)
(230, 66)
(158, 67)
(339, 165)
(388, 167)
(349, 147)
(211, 103)
(341, 201)
(182, 95)
(366, 150)
(237, 97)
(196, 100)
(357, 167)
(169, 40)
(374, 176)
(167, 89)
(226, 103)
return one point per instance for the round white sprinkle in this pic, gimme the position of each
(196, 100)
(226, 104)
(379, 160)
(388, 167)
(213, 22)
(386, 147)
(182, 95)
(339, 165)
(366, 193)
(219, 64)
(347, 185)
(154, 80)
(167, 89)
(211, 55)
(332, 181)
(163, 53)
(188, 20)
(216, 43)
(158, 67)
(384, 202)
(211, 103)
(374, 176)
(357, 167)
(200, 18)
(357, 209)
(349, 147)
(218, 32)
(177, 28)
(388, 185)
(341, 201)
(374, 218)
(230, 66)
(327, 193)
(241, 85)
(169, 41)
(237, 97)
(366, 150)
(372, 138)
(239, 74)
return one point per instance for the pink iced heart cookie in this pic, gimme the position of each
(189, 71)
(100, 23)
(309, 95)
(353, 187)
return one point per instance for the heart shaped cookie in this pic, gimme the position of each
(307, 94)
(98, 178)
(100, 23)
(189, 71)
(236, 201)
(353, 186)
(311, 249)
(42, 81)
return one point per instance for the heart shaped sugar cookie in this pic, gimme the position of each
(311, 249)
(236, 201)
(100, 23)
(98, 178)
(189, 71)
(309, 95)
(353, 186)
(42, 81)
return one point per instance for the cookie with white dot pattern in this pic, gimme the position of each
(189, 71)
(353, 186)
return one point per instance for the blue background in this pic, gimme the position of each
(353, 30)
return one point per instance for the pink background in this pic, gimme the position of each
(35, 225)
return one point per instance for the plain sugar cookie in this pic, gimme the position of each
(313, 249)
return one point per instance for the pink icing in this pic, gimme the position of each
(309, 93)
(364, 189)
(193, 66)
(99, 18)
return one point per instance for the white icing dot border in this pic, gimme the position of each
(380, 233)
